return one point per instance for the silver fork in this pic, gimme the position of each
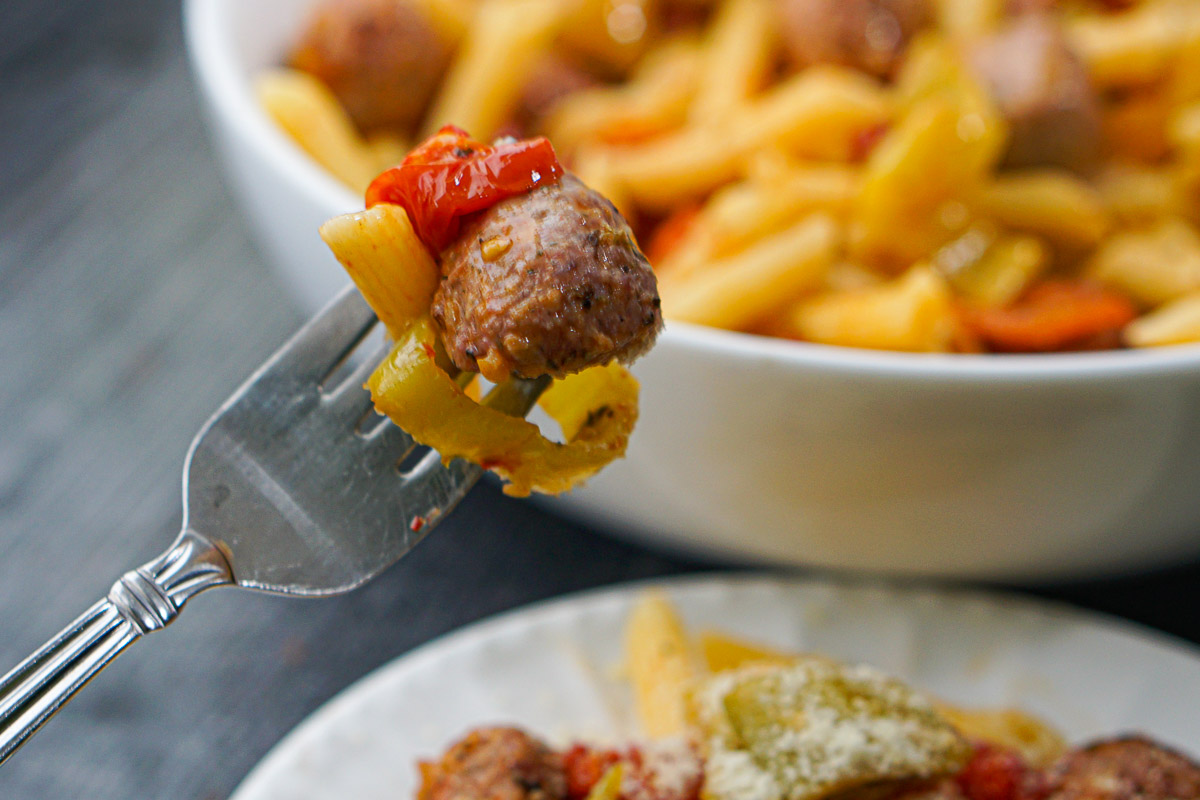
(293, 486)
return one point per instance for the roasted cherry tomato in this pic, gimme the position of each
(450, 175)
(994, 773)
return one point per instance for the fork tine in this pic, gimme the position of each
(346, 396)
(317, 348)
(350, 404)
(390, 444)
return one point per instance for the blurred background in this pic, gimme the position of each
(132, 301)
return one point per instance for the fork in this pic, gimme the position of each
(294, 486)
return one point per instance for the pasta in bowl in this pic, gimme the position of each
(888, 174)
(760, 446)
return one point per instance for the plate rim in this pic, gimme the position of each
(536, 612)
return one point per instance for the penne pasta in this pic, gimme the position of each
(914, 313)
(738, 290)
(1137, 46)
(736, 60)
(662, 662)
(311, 115)
(386, 261)
(655, 101)
(1052, 203)
(818, 113)
(1137, 195)
(1177, 322)
(966, 19)
(1153, 266)
(743, 213)
(501, 46)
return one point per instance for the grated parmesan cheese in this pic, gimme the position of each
(671, 766)
(804, 731)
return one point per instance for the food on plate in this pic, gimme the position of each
(915, 175)
(492, 260)
(1128, 767)
(495, 764)
(725, 719)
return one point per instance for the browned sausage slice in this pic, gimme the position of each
(495, 764)
(546, 283)
(381, 58)
(1132, 768)
(1044, 92)
(870, 35)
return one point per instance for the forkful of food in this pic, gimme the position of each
(475, 259)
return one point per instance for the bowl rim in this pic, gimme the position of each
(230, 94)
(228, 91)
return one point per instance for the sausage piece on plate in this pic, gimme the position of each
(1131, 768)
(495, 764)
(545, 283)
(383, 59)
(1044, 92)
(870, 35)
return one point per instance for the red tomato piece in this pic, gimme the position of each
(451, 175)
(657, 775)
(994, 773)
(584, 767)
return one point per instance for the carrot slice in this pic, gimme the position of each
(671, 233)
(1053, 315)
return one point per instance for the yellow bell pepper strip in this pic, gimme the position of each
(609, 785)
(596, 408)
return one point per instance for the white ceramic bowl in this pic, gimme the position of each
(1019, 467)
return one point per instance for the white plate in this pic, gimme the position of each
(549, 668)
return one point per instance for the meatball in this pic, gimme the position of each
(495, 764)
(1130, 768)
(1044, 92)
(552, 79)
(545, 283)
(870, 35)
(383, 59)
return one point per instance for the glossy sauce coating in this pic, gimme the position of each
(451, 175)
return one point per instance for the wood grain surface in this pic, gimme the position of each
(131, 302)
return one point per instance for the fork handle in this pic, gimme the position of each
(143, 600)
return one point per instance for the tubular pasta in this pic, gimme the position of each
(736, 59)
(745, 287)
(311, 115)
(500, 48)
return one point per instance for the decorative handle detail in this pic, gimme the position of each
(143, 600)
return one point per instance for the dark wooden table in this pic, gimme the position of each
(131, 302)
